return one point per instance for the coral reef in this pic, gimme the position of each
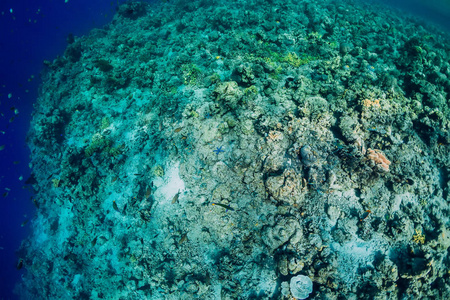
(226, 149)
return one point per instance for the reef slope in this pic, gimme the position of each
(216, 149)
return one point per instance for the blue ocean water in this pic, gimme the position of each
(436, 11)
(30, 32)
(33, 31)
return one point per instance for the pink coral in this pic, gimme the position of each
(379, 159)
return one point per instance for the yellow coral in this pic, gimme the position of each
(55, 182)
(419, 237)
(159, 171)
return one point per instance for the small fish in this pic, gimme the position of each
(36, 203)
(116, 208)
(137, 174)
(94, 241)
(2, 147)
(175, 198)
(124, 209)
(183, 238)
(178, 129)
(16, 162)
(19, 264)
(148, 192)
(184, 137)
(24, 223)
(5, 194)
(145, 216)
(224, 206)
(365, 215)
(114, 179)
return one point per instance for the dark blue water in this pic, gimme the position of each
(30, 31)
(435, 11)
(35, 30)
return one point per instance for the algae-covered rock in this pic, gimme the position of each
(228, 93)
(276, 236)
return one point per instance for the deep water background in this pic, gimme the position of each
(436, 11)
(30, 32)
(33, 31)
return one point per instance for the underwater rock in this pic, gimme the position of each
(295, 265)
(228, 93)
(307, 156)
(276, 236)
(283, 265)
(349, 126)
(344, 48)
(285, 187)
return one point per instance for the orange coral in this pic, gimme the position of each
(371, 103)
(379, 159)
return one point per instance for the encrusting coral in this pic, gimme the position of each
(379, 159)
